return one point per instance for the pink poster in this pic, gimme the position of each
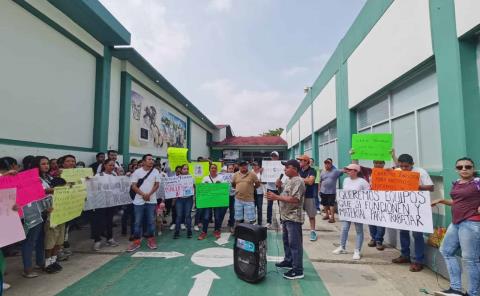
(12, 229)
(28, 185)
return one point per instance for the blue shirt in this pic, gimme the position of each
(309, 189)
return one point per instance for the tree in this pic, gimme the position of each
(274, 132)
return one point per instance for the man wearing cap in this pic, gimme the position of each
(328, 188)
(309, 174)
(273, 188)
(245, 183)
(291, 214)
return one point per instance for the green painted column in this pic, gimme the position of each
(450, 89)
(189, 139)
(302, 147)
(315, 148)
(124, 124)
(102, 101)
(346, 121)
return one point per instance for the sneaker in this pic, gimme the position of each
(283, 264)
(67, 251)
(372, 243)
(313, 236)
(401, 260)
(57, 266)
(189, 234)
(268, 225)
(356, 255)
(30, 275)
(339, 250)
(449, 292)
(97, 246)
(152, 243)
(380, 246)
(196, 228)
(416, 267)
(172, 227)
(62, 256)
(134, 245)
(217, 234)
(5, 286)
(232, 230)
(293, 275)
(202, 236)
(51, 269)
(176, 235)
(112, 243)
(182, 226)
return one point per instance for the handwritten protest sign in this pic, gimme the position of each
(372, 146)
(178, 186)
(218, 164)
(226, 177)
(407, 210)
(176, 157)
(12, 229)
(68, 203)
(395, 180)
(198, 170)
(76, 175)
(28, 185)
(107, 191)
(272, 169)
(212, 195)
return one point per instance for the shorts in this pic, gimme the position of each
(244, 210)
(327, 200)
(309, 207)
(54, 236)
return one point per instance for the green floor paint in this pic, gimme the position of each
(159, 276)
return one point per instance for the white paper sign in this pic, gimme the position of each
(107, 191)
(408, 210)
(12, 229)
(178, 186)
(226, 177)
(272, 169)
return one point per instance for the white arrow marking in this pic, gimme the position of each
(166, 255)
(223, 238)
(274, 258)
(203, 283)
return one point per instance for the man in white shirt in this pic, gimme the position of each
(113, 154)
(145, 183)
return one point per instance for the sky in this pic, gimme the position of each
(240, 62)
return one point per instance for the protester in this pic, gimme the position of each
(258, 194)
(245, 183)
(315, 184)
(270, 186)
(405, 162)
(464, 231)
(145, 182)
(291, 214)
(231, 204)
(80, 165)
(54, 169)
(308, 174)
(183, 206)
(219, 212)
(171, 203)
(328, 189)
(100, 158)
(354, 183)
(113, 154)
(68, 162)
(27, 162)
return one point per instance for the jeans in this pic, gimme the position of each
(270, 207)
(293, 244)
(344, 234)
(218, 213)
(419, 245)
(316, 196)
(377, 233)
(145, 211)
(128, 214)
(231, 211)
(466, 236)
(259, 204)
(184, 213)
(34, 239)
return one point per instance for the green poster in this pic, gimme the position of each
(212, 195)
(372, 146)
(198, 170)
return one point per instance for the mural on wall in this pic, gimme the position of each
(153, 128)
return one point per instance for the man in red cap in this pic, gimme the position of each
(309, 174)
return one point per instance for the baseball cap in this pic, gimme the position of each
(275, 153)
(293, 163)
(242, 162)
(304, 157)
(354, 167)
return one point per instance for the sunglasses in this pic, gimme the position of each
(464, 167)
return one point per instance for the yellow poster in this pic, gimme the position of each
(198, 170)
(68, 203)
(76, 175)
(176, 157)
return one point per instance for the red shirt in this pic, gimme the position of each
(466, 201)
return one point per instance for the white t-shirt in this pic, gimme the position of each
(356, 184)
(259, 189)
(425, 179)
(146, 186)
(117, 167)
(217, 179)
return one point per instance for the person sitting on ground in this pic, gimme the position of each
(464, 231)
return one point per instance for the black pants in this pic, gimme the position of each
(259, 205)
(101, 222)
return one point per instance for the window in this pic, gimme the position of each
(307, 146)
(327, 147)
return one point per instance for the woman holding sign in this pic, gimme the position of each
(464, 232)
(183, 206)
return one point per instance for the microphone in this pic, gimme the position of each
(281, 176)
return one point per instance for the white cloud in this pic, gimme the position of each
(248, 111)
(294, 71)
(219, 5)
(161, 42)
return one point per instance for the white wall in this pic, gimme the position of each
(114, 115)
(289, 139)
(306, 123)
(400, 40)
(467, 15)
(198, 142)
(295, 133)
(325, 106)
(47, 88)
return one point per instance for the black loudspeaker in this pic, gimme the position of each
(250, 252)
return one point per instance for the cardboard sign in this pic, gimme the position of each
(198, 170)
(107, 191)
(407, 210)
(76, 175)
(12, 229)
(68, 203)
(272, 169)
(372, 146)
(176, 157)
(212, 195)
(178, 186)
(28, 186)
(394, 180)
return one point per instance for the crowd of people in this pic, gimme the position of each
(300, 191)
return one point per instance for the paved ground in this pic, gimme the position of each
(112, 272)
